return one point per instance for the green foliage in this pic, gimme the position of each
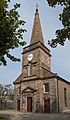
(61, 34)
(11, 31)
(2, 118)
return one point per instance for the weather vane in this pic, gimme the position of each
(37, 6)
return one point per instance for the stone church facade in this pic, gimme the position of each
(37, 89)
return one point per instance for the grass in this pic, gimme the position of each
(2, 118)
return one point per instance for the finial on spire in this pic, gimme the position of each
(37, 35)
(37, 7)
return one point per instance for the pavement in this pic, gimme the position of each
(14, 115)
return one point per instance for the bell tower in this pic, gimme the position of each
(36, 56)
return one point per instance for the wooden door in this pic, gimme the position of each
(47, 106)
(18, 105)
(29, 104)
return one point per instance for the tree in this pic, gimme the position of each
(61, 34)
(11, 31)
(6, 96)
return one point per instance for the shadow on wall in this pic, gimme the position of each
(54, 106)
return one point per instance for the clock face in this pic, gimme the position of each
(30, 57)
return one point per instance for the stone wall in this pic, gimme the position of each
(61, 86)
(39, 96)
(45, 59)
(52, 94)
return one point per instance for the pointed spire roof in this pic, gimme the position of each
(37, 35)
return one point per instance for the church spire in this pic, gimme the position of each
(37, 35)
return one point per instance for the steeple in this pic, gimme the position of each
(37, 35)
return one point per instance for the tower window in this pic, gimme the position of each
(46, 87)
(30, 69)
(65, 97)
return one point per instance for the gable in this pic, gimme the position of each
(18, 80)
(28, 89)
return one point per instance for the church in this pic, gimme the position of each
(38, 89)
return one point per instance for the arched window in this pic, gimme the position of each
(46, 87)
(30, 69)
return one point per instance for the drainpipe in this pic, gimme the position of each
(58, 95)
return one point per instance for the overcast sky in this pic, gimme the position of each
(60, 61)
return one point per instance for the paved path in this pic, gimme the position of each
(13, 115)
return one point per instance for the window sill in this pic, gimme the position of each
(46, 92)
